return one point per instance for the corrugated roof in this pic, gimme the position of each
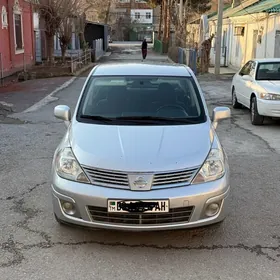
(264, 6)
(230, 11)
(210, 14)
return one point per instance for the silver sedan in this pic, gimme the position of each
(140, 152)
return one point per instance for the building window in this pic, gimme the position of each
(18, 28)
(4, 17)
(137, 15)
(18, 32)
(148, 15)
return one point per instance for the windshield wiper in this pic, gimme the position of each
(156, 119)
(97, 118)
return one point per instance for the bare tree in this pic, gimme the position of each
(68, 25)
(160, 21)
(65, 32)
(99, 8)
(56, 15)
(170, 15)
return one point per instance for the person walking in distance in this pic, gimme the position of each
(144, 49)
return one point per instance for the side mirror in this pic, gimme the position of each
(62, 112)
(220, 113)
(247, 78)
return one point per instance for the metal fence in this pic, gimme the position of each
(80, 60)
(97, 46)
(188, 56)
(69, 53)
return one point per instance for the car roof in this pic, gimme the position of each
(261, 60)
(145, 69)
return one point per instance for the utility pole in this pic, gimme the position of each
(181, 12)
(219, 37)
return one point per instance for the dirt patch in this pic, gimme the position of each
(211, 77)
(5, 110)
(41, 72)
(7, 120)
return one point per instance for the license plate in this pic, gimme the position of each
(138, 206)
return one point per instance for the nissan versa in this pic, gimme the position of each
(140, 152)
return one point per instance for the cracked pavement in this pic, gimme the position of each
(34, 246)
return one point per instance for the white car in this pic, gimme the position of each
(257, 87)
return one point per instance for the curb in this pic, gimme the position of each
(171, 61)
(49, 98)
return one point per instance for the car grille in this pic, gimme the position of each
(175, 215)
(107, 178)
(118, 179)
(174, 179)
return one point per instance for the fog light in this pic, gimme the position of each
(68, 207)
(212, 209)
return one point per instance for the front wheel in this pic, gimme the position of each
(256, 118)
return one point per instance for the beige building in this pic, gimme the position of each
(251, 29)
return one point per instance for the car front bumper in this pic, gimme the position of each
(269, 108)
(84, 195)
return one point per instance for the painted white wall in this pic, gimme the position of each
(143, 13)
(240, 48)
(265, 49)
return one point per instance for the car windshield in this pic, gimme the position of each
(268, 71)
(141, 100)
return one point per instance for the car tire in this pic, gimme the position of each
(235, 103)
(256, 118)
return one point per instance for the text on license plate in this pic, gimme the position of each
(138, 206)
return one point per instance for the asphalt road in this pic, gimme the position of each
(34, 246)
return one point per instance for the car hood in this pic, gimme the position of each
(270, 86)
(140, 148)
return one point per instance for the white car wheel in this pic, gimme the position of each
(256, 118)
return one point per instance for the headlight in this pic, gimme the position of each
(270, 96)
(68, 167)
(212, 169)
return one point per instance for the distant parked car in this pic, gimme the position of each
(140, 152)
(149, 39)
(257, 87)
(110, 39)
